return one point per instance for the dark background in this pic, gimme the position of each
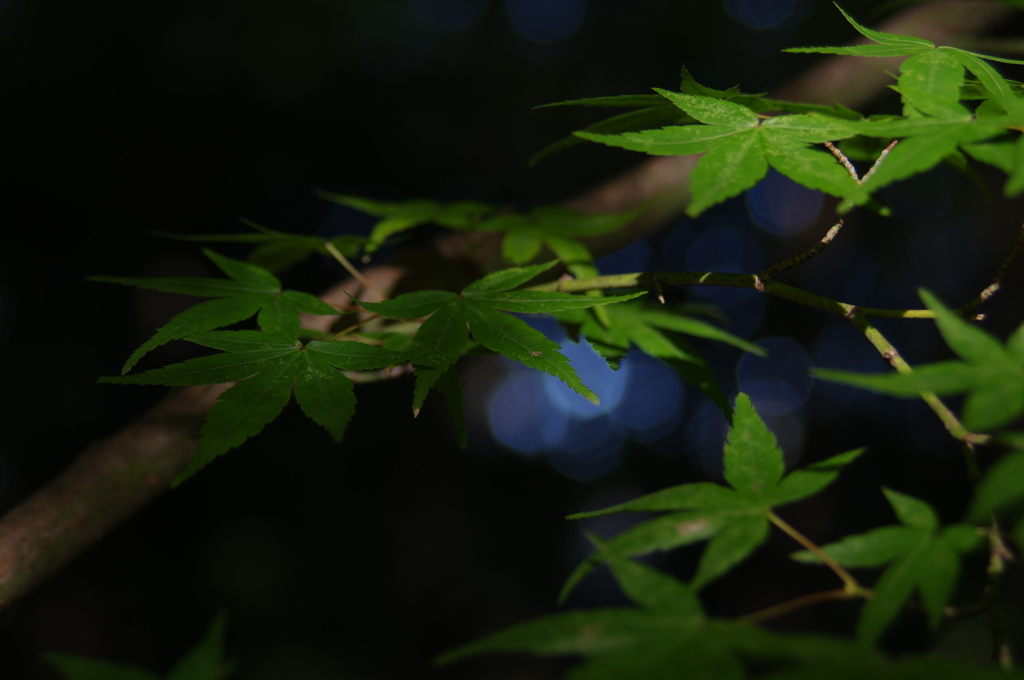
(365, 560)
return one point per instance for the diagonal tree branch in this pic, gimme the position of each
(116, 477)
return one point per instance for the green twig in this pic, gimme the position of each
(948, 418)
(657, 280)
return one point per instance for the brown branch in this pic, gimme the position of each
(108, 483)
(117, 476)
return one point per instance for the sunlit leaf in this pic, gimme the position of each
(712, 111)
(735, 520)
(506, 279)
(250, 289)
(268, 366)
(514, 339)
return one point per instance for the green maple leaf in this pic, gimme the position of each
(931, 83)
(205, 661)
(267, 366)
(447, 382)
(974, 89)
(733, 518)
(559, 228)
(990, 373)
(738, 147)
(479, 308)
(1003, 483)
(653, 111)
(277, 251)
(668, 636)
(249, 290)
(633, 323)
(624, 644)
(399, 216)
(920, 555)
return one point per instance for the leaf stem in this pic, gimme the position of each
(795, 604)
(850, 585)
(854, 314)
(356, 274)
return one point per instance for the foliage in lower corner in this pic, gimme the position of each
(205, 661)
(669, 635)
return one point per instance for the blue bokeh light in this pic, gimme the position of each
(760, 13)
(705, 436)
(597, 375)
(723, 247)
(545, 21)
(521, 417)
(655, 398)
(779, 383)
(636, 257)
(589, 464)
(449, 16)
(530, 412)
(943, 258)
(781, 206)
(842, 347)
